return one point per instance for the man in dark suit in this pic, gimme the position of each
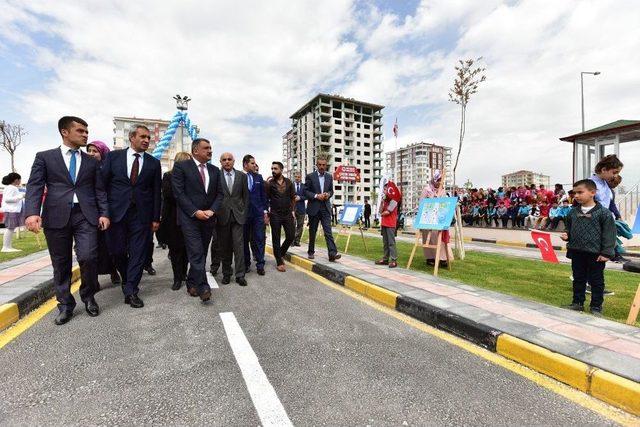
(196, 185)
(133, 181)
(367, 214)
(301, 209)
(254, 228)
(74, 209)
(318, 191)
(231, 218)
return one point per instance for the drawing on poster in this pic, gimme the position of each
(436, 213)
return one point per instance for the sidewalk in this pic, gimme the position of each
(595, 355)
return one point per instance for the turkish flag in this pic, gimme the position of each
(543, 242)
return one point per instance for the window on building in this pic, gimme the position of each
(337, 159)
(367, 162)
(358, 125)
(338, 197)
(338, 131)
(338, 122)
(358, 135)
(337, 187)
(367, 127)
(337, 141)
(337, 150)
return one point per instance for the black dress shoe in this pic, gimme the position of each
(177, 284)
(335, 257)
(310, 256)
(213, 271)
(150, 270)
(241, 281)
(115, 278)
(192, 292)
(261, 272)
(206, 295)
(134, 301)
(226, 280)
(92, 307)
(63, 317)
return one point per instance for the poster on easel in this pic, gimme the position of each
(349, 218)
(435, 213)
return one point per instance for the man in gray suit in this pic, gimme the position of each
(232, 216)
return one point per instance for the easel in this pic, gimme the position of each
(348, 230)
(438, 247)
(635, 309)
(457, 235)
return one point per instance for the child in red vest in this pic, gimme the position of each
(389, 216)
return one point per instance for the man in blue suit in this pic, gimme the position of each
(318, 191)
(133, 181)
(75, 207)
(254, 228)
(301, 208)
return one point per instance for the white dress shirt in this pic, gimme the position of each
(321, 180)
(207, 178)
(66, 155)
(130, 158)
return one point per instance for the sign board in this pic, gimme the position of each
(435, 213)
(347, 174)
(350, 215)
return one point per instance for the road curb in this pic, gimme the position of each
(606, 386)
(21, 305)
(507, 243)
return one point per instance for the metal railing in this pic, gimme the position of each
(628, 203)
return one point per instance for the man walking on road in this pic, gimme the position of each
(281, 198)
(133, 180)
(318, 191)
(232, 216)
(74, 209)
(301, 209)
(254, 229)
(196, 185)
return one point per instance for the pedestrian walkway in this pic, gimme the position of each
(21, 275)
(597, 342)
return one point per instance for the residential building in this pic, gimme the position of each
(348, 131)
(180, 141)
(412, 167)
(522, 177)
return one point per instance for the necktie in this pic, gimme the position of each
(202, 177)
(72, 165)
(135, 169)
(250, 180)
(229, 181)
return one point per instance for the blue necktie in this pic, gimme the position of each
(250, 182)
(72, 165)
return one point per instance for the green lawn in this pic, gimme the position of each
(529, 279)
(27, 242)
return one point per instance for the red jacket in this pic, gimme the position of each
(392, 219)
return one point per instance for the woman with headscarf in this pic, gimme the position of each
(12, 207)
(435, 189)
(170, 233)
(106, 265)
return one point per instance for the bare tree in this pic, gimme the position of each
(11, 137)
(468, 78)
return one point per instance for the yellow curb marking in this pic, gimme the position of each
(9, 314)
(616, 390)
(376, 293)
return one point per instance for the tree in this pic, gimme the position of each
(468, 78)
(468, 185)
(11, 135)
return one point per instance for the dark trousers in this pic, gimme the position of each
(299, 227)
(149, 260)
(585, 270)
(60, 244)
(505, 220)
(556, 221)
(179, 260)
(216, 252)
(231, 238)
(197, 236)
(323, 217)
(367, 221)
(254, 241)
(129, 243)
(279, 221)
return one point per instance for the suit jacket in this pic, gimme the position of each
(145, 194)
(190, 193)
(50, 170)
(301, 207)
(257, 196)
(235, 201)
(312, 187)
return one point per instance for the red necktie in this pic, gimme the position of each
(135, 169)
(202, 177)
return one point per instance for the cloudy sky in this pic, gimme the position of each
(249, 64)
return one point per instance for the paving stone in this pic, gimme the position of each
(470, 312)
(626, 366)
(557, 343)
(509, 326)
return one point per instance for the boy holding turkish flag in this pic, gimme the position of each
(591, 240)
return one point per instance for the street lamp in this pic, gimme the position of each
(594, 73)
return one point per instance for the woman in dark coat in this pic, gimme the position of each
(106, 265)
(169, 232)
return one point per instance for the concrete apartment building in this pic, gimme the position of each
(349, 131)
(180, 142)
(522, 177)
(412, 167)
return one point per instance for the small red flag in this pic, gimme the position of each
(543, 242)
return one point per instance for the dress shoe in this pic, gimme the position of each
(213, 271)
(393, 264)
(226, 280)
(63, 317)
(192, 291)
(206, 295)
(92, 307)
(335, 257)
(150, 270)
(134, 301)
(261, 272)
(115, 278)
(177, 284)
(310, 256)
(281, 268)
(241, 281)
(382, 262)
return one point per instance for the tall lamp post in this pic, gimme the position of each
(582, 73)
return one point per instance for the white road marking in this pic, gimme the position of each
(212, 281)
(264, 397)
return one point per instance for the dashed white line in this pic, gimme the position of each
(212, 281)
(264, 397)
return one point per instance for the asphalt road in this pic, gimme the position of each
(324, 359)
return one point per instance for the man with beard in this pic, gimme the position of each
(281, 199)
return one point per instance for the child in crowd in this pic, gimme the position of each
(512, 214)
(523, 213)
(534, 214)
(476, 213)
(591, 238)
(502, 213)
(491, 216)
(544, 216)
(560, 215)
